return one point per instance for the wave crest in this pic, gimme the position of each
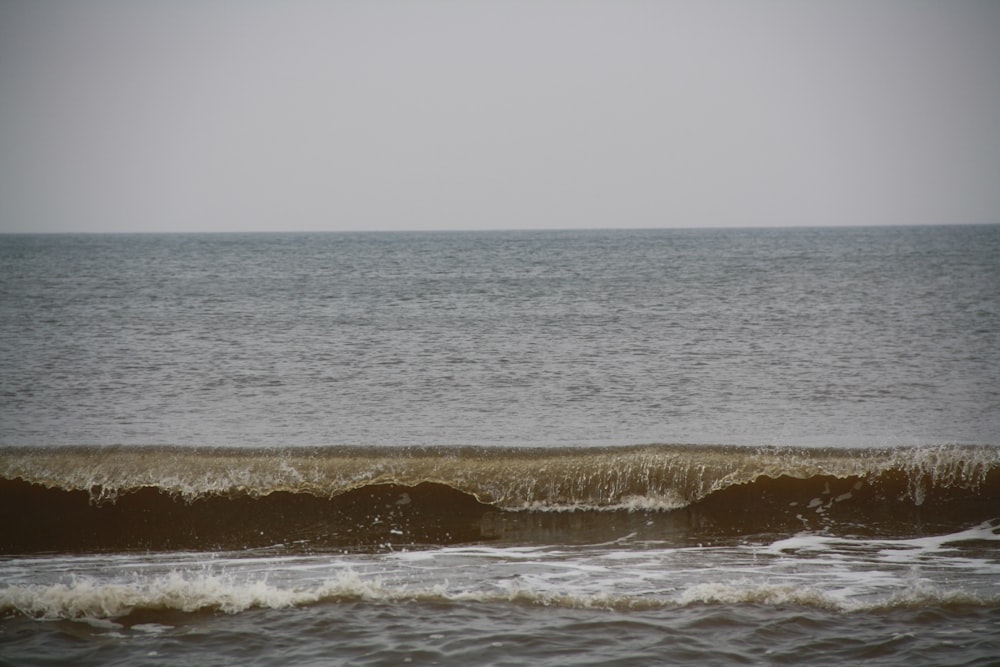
(175, 498)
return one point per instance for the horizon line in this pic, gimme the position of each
(431, 230)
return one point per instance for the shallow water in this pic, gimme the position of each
(803, 599)
(444, 634)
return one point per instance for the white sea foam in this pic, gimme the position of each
(892, 550)
(758, 593)
(100, 603)
(85, 597)
(808, 570)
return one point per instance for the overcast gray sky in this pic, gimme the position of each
(215, 115)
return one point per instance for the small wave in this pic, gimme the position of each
(87, 599)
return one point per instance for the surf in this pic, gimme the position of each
(172, 498)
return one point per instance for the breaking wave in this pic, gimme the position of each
(85, 598)
(85, 498)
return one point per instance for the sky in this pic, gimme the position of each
(244, 115)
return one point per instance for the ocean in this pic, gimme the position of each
(631, 447)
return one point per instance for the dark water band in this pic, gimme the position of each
(394, 516)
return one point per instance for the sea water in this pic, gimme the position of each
(578, 447)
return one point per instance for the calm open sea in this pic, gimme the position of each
(579, 447)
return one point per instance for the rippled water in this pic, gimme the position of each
(468, 498)
(866, 336)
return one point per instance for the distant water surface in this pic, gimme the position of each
(848, 337)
